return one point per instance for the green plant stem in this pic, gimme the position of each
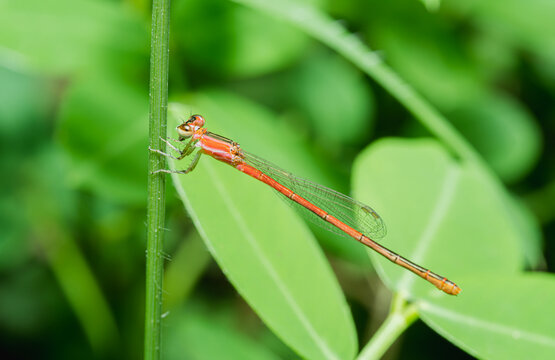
(159, 66)
(401, 316)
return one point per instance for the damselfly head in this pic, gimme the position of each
(188, 128)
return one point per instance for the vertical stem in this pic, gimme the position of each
(401, 316)
(159, 64)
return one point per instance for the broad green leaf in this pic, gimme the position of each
(263, 44)
(503, 131)
(498, 317)
(103, 127)
(267, 252)
(62, 36)
(331, 92)
(439, 213)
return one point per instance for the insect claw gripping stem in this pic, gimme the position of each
(162, 153)
(161, 171)
(174, 148)
(170, 171)
(189, 169)
(183, 153)
(188, 150)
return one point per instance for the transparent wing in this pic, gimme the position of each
(353, 213)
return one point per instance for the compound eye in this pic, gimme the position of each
(197, 120)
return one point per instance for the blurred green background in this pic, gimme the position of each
(73, 127)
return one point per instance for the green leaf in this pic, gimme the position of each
(331, 92)
(439, 213)
(498, 317)
(263, 44)
(267, 253)
(102, 125)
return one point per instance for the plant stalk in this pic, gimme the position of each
(159, 66)
(401, 316)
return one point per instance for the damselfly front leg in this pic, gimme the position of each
(173, 147)
(187, 150)
(192, 165)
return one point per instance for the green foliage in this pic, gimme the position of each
(335, 99)
(501, 317)
(458, 86)
(445, 130)
(64, 36)
(448, 216)
(438, 211)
